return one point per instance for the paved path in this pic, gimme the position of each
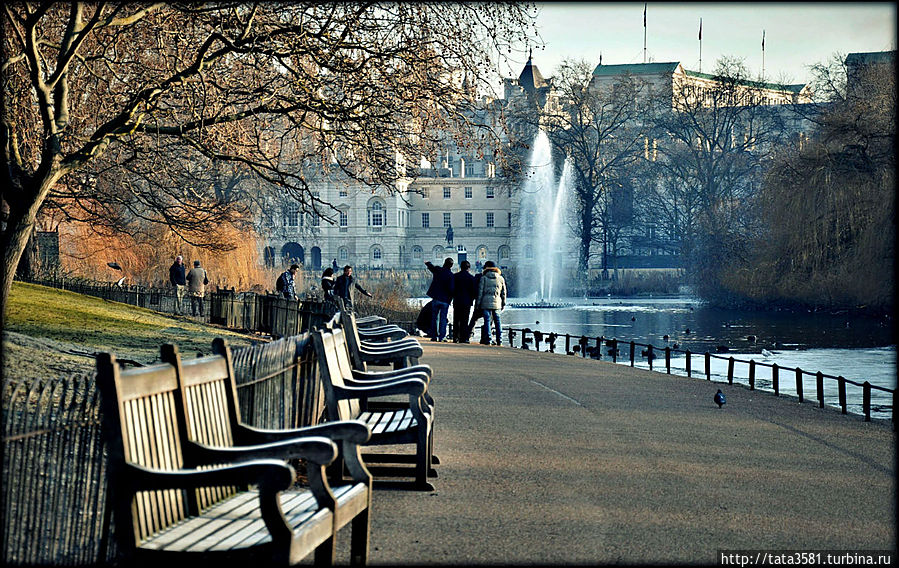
(550, 459)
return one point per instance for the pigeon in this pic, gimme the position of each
(766, 353)
(719, 398)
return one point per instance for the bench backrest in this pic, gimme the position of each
(326, 342)
(209, 398)
(143, 420)
(348, 323)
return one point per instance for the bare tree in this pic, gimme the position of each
(127, 110)
(601, 131)
(829, 199)
(714, 137)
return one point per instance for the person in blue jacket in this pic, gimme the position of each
(441, 294)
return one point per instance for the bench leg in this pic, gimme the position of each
(326, 553)
(359, 546)
(423, 464)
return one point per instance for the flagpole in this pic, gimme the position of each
(700, 45)
(644, 32)
(763, 54)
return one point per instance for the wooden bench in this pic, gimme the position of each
(400, 353)
(409, 423)
(239, 507)
(209, 393)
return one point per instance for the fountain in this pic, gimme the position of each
(542, 241)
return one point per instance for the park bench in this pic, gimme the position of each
(224, 505)
(209, 393)
(408, 423)
(399, 353)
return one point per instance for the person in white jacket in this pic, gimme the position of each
(492, 298)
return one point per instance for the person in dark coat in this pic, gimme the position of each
(344, 286)
(441, 293)
(328, 283)
(285, 283)
(463, 296)
(178, 278)
(477, 313)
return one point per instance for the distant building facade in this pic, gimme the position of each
(406, 226)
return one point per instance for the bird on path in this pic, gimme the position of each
(719, 398)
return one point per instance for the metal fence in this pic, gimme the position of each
(777, 376)
(54, 469)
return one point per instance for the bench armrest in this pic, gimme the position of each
(383, 336)
(390, 345)
(273, 475)
(315, 449)
(393, 374)
(354, 431)
(411, 387)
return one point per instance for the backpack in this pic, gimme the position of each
(279, 285)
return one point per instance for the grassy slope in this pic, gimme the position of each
(55, 321)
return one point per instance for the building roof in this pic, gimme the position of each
(758, 84)
(870, 57)
(635, 69)
(531, 79)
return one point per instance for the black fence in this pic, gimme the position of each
(659, 358)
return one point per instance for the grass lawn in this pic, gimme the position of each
(50, 331)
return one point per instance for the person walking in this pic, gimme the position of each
(492, 298)
(463, 296)
(178, 278)
(197, 279)
(286, 284)
(334, 266)
(441, 293)
(344, 286)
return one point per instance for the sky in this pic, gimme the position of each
(796, 34)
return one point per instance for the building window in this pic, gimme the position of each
(529, 252)
(468, 192)
(315, 220)
(446, 220)
(416, 252)
(425, 192)
(447, 193)
(504, 252)
(490, 192)
(344, 221)
(426, 220)
(342, 192)
(490, 218)
(376, 215)
(438, 252)
(291, 216)
(509, 219)
(343, 254)
(376, 254)
(469, 168)
(468, 219)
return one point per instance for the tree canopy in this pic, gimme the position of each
(170, 112)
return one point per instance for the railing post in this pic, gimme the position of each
(689, 365)
(708, 366)
(667, 359)
(649, 355)
(730, 370)
(819, 383)
(866, 400)
(775, 379)
(599, 347)
(799, 383)
(841, 387)
(632, 353)
(583, 343)
(567, 344)
(614, 344)
(752, 374)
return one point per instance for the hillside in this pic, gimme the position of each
(51, 332)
